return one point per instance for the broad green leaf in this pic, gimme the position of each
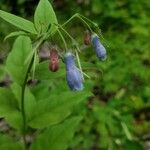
(57, 137)
(42, 72)
(16, 89)
(5, 139)
(44, 16)
(17, 33)
(9, 109)
(8, 102)
(7, 143)
(29, 100)
(15, 63)
(30, 103)
(49, 118)
(11, 146)
(19, 22)
(53, 110)
(41, 90)
(14, 119)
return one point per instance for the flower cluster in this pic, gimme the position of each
(74, 75)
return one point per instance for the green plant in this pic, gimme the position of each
(31, 110)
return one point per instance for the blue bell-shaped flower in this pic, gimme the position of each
(73, 75)
(98, 47)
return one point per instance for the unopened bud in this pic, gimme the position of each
(87, 38)
(53, 60)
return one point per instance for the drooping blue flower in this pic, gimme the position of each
(99, 48)
(73, 75)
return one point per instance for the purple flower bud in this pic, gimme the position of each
(73, 75)
(99, 48)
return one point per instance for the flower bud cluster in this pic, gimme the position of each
(74, 75)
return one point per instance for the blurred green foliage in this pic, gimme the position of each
(117, 115)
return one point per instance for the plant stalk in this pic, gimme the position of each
(23, 104)
(23, 95)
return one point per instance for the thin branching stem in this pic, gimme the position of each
(63, 39)
(69, 20)
(79, 64)
(72, 39)
(85, 23)
(78, 16)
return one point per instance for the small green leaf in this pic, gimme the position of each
(47, 119)
(14, 119)
(53, 110)
(19, 22)
(8, 102)
(15, 63)
(42, 72)
(44, 17)
(7, 143)
(29, 99)
(11, 146)
(17, 33)
(9, 109)
(57, 137)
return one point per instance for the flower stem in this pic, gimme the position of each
(84, 22)
(82, 18)
(75, 15)
(79, 64)
(63, 39)
(72, 39)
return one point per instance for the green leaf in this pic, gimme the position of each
(42, 72)
(15, 63)
(133, 145)
(44, 17)
(30, 103)
(8, 102)
(19, 22)
(29, 100)
(17, 33)
(41, 90)
(49, 118)
(9, 109)
(11, 146)
(53, 110)
(57, 137)
(14, 119)
(7, 143)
